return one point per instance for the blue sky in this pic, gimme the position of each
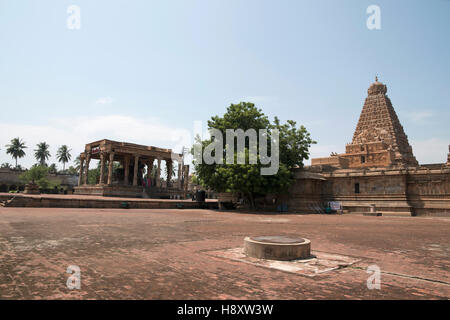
(144, 71)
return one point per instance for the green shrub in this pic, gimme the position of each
(37, 175)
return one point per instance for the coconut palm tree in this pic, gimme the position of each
(64, 155)
(15, 149)
(41, 153)
(5, 165)
(77, 162)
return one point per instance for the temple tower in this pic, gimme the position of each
(379, 139)
(379, 130)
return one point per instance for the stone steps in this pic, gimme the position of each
(383, 213)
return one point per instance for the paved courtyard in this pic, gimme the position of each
(187, 254)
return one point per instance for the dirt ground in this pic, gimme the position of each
(172, 254)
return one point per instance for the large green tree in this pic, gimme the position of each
(247, 179)
(41, 153)
(63, 155)
(16, 149)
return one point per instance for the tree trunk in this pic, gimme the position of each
(252, 200)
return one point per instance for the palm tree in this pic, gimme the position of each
(5, 165)
(15, 149)
(64, 155)
(41, 153)
(77, 162)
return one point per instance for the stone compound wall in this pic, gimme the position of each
(306, 194)
(73, 201)
(387, 190)
(417, 191)
(9, 180)
(429, 191)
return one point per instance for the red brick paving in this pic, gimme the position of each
(165, 254)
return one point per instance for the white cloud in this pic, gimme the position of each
(104, 101)
(76, 132)
(432, 150)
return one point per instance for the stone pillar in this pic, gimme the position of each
(86, 171)
(126, 170)
(158, 174)
(149, 169)
(110, 168)
(186, 177)
(169, 166)
(135, 173)
(102, 168)
(105, 176)
(80, 177)
(180, 174)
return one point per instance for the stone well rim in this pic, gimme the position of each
(297, 241)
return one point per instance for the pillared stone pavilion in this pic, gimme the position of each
(129, 180)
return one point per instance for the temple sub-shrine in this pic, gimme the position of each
(127, 178)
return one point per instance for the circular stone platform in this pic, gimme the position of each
(277, 247)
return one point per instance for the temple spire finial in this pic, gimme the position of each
(376, 78)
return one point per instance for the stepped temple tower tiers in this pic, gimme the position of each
(379, 139)
(122, 166)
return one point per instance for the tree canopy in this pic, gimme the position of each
(37, 175)
(246, 179)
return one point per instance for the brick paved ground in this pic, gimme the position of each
(165, 254)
